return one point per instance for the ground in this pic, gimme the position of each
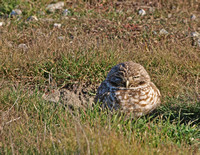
(40, 59)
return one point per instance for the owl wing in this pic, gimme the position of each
(106, 96)
(157, 92)
(102, 91)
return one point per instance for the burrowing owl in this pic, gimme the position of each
(128, 87)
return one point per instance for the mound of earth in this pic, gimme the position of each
(73, 95)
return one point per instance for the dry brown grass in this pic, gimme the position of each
(105, 36)
(96, 37)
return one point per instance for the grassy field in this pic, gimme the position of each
(94, 37)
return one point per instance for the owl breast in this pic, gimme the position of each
(136, 101)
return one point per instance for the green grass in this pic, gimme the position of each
(98, 36)
(44, 127)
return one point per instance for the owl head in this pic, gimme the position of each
(128, 75)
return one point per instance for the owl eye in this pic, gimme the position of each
(116, 81)
(136, 77)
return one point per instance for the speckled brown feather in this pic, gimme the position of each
(139, 98)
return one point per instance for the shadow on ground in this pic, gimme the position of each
(185, 113)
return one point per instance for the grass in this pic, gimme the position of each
(42, 127)
(96, 37)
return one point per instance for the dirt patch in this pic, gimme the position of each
(73, 95)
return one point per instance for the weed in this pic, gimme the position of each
(97, 36)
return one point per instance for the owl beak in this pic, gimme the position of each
(127, 84)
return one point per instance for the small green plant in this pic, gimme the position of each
(92, 39)
(6, 6)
